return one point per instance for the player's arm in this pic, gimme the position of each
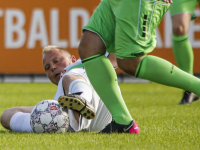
(12, 118)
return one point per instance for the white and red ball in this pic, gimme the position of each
(48, 116)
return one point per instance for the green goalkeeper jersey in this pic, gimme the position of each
(127, 27)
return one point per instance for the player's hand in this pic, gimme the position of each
(168, 1)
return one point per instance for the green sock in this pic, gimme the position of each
(104, 80)
(161, 71)
(183, 53)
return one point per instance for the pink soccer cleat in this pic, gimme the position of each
(114, 127)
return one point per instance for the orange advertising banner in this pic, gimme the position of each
(26, 27)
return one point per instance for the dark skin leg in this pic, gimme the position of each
(91, 44)
(129, 66)
(7, 114)
(180, 24)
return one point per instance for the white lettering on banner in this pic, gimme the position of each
(12, 27)
(38, 29)
(73, 30)
(167, 31)
(16, 36)
(55, 29)
(1, 12)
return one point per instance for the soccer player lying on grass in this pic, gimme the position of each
(73, 79)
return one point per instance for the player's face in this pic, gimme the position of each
(54, 62)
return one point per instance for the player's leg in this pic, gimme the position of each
(181, 13)
(104, 80)
(98, 67)
(150, 67)
(78, 96)
(161, 71)
(182, 48)
(17, 119)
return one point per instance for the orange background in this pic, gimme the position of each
(25, 60)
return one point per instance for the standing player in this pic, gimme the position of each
(73, 80)
(127, 28)
(181, 12)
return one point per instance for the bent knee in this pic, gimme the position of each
(129, 66)
(5, 119)
(128, 70)
(179, 30)
(7, 115)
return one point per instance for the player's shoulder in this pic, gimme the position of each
(74, 68)
(74, 71)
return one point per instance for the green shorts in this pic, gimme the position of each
(183, 6)
(127, 27)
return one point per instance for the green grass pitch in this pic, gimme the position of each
(163, 123)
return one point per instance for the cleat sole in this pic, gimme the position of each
(77, 104)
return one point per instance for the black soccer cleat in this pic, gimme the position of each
(188, 98)
(77, 103)
(114, 127)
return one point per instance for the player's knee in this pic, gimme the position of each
(5, 119)
(7, 115)
(82, 50)
(179, 30)
(128, 68)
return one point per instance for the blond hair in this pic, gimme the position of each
(51, 47)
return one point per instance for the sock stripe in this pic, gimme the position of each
(138, 72)
(180, 38)
(92, 57)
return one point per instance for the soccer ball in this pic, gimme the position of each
(48, 116)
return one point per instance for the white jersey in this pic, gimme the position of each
(103, 116)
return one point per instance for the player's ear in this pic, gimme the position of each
(73, 58)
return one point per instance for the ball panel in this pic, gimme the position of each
(38, 128)
(45, 118)
(42, 106)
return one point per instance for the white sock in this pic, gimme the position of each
(20, 122)
(81, 86)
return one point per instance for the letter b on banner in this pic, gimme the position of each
(14, 23)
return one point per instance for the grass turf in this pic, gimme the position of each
(163, 123)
